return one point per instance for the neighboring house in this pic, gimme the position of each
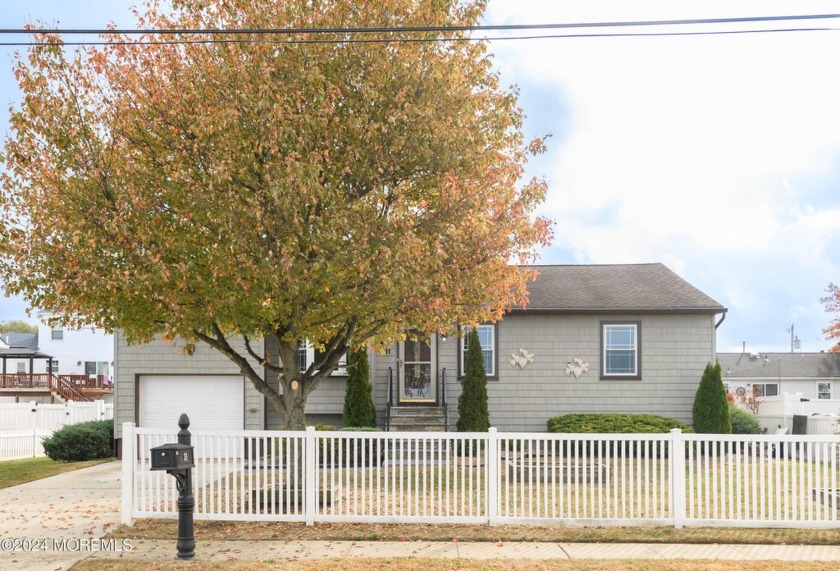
(601, 338)
(19, 352)
(86, 351)
(815, 376)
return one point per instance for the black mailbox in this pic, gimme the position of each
(172, 456)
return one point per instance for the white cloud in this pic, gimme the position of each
(702, 152)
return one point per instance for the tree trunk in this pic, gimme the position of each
(295, 404)
(294, 395)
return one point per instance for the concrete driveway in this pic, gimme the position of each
(55, 522)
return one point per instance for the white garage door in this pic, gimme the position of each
(212, 402)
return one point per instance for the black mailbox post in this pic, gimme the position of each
(178, 459)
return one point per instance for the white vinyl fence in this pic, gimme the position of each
(52, 416)
(25, 443)
(496, 478)
(23, 426)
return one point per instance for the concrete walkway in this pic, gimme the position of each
(55, 522)
(47, 521)
(306, 550)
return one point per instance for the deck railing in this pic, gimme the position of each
(47, 381)
(671, 479)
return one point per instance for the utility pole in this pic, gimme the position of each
(794, 341)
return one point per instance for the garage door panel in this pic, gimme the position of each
(211, 402)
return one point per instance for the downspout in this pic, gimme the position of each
(714, 337)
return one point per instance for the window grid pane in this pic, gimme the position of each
(620, 355)
(488, 348)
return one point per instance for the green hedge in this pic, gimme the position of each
(743, 422)
(83, 441)
(603, 423)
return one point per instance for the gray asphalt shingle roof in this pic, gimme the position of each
(623, 288)
(20, 340)
(776, 365)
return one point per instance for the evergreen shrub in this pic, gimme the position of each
(83, 441)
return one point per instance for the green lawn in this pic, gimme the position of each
(14, 472)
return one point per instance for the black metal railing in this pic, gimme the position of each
(390, 402)
(443, 400)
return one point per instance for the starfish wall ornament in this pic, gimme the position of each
(523, 358)
(576, 367)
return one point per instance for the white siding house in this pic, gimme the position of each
(86, 351)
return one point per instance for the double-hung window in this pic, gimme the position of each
(487, 340)
(824, 390)
(621, 356)
(307, 354)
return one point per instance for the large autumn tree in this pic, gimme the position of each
(305, 186)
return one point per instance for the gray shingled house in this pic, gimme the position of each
(593, 338)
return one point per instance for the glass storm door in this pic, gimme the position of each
(417, 372)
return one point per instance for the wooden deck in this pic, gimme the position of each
(69, 387)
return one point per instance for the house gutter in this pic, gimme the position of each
(722, 317)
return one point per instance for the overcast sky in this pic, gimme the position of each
(718, 155)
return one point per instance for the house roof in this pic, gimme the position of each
(22, 353)
(619, 288)
(779, 365)
(21, 340)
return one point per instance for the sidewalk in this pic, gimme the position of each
(74, 506)
(306, 550)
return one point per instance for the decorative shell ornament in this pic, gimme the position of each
(576, 367)
(522, 359)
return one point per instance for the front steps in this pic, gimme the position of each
(417, 419)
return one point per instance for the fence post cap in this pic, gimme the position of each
(492, 430)
(676, 431)
(310, 429)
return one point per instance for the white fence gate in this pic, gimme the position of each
(23, 426)
(596, 479)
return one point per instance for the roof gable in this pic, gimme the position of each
(619, 288)
(21, 340)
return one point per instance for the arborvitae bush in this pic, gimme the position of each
(359, 410)
(83, 441)
(473, 414)
(710, 413)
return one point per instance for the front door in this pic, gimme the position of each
(417, 372)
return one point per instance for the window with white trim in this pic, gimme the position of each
(307, 355)
(487, 340)
(824, 390)
(765, 389)
(620, 352)
(57, 333)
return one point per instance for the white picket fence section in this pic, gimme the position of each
(15, 416)
(495, 478)
(23, 426)
(25, 443)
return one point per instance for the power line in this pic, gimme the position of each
(381, 40)
(420, 29)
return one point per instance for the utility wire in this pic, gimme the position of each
(415, 29)
(418, 39)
